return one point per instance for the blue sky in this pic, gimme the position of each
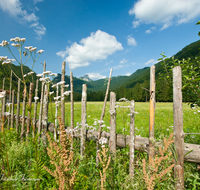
(95, 36)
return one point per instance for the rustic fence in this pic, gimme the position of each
(115, 140)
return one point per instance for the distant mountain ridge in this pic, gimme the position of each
(123, 85)
(86, 78)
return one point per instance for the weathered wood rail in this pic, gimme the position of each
(141, 143)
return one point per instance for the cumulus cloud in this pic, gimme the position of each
(97, 46)
(165, 12)
(128, 74)
(131, 41)
(148, 31)
(95, 76)
(123, 61)
(14, 8)
(151, 61)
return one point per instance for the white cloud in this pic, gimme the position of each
(118, 67)
(123, 61)
(128, 74)
(95, 76)
(14, 8)
(107, 63)
(37, 1)
(151, 61)
(131, 41)
(136, 23)
(39, 29)
(148, 31)
(97, 46)
(165, 12)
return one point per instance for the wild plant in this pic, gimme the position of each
(62, 158)
(155, 171)
(105, 161)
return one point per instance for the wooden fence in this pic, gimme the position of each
(115, 140)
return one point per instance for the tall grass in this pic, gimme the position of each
(23, 162)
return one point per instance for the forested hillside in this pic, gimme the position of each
(131, 87)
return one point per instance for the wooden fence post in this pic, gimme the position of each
(29, 112)
(41, 100)
(35, 109)
(72, 108)
(178, 128)
(56, 116)
(3, 110)
(113, 137)
(1, 116)
(12, 109)
(83, 118)
(62, 97)
(45, 113)
(23, 114)
(152, 113)
(18, 106)
(9, 109)
(132, 138)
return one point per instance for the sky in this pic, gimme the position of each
(93, 36)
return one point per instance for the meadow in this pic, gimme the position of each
(23, 162)
(163, 118)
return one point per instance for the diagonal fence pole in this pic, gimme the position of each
(102, 116)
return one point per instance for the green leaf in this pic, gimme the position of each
(197, 79)
(188, 152)
(198, 23)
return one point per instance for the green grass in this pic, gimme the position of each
(163, 118)
(22, 157)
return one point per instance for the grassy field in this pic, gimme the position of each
(163, 118)
(27, 159)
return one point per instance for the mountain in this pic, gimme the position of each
(131, 87)
(86, 78)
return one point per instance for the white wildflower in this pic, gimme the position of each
(36, 98)
(103, 140)
(195, 112)
(2, 58)
(54, 85)
(53, 74)
(40, 51)
(28, 48)
(17, 39)
(4, 43)
(46, 72)
(56, 98)
(30, 73)
(12, 39)
(61, 82)
(6, 114)
(15, 45)
(67, 85)
(100, 121)
(39, 75)
(51, 92)
(22, 40)
(25, 75)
